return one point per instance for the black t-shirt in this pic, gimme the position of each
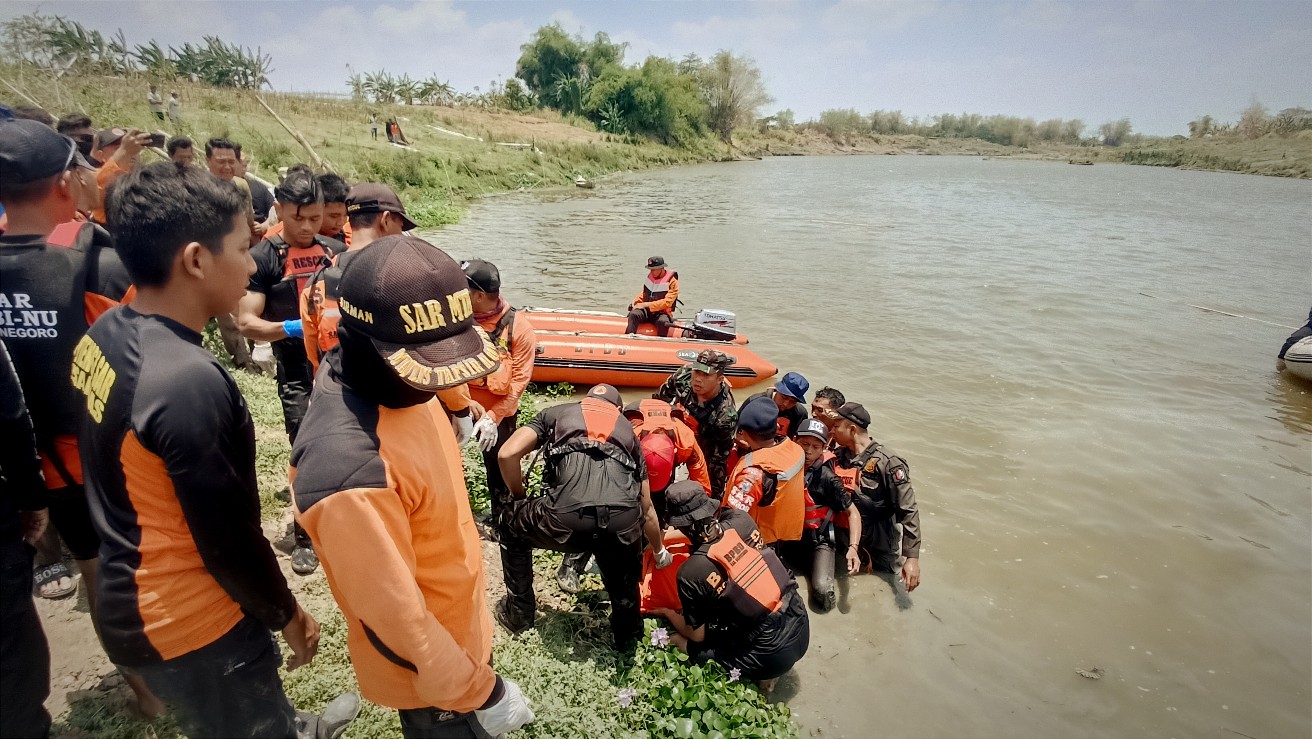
(261, 199)
(702, 602)
(281, 273)
(590, 475)
(789, 420)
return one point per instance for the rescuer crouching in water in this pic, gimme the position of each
(740, 604)
(829, 527)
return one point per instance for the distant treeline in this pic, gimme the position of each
(1254, 122)
(843, 123)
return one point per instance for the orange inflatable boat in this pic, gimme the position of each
(570, 351)
(602, 322)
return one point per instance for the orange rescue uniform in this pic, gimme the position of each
(769, 484)
(516, 342)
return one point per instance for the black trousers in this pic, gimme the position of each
(663, 321)
(816, 555)
(24, 652)
(295, 380)
(496, 484)
(881, 543)
(228, 688)
(612, 535)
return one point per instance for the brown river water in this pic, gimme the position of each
(1107, 480)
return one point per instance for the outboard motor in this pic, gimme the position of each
(714, 325)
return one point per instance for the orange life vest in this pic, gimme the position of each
(779, 515)
(817, 516)
(660, 417)
(656, 289)
(756, 580)
(298, 266)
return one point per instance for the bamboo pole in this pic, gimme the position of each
(319, 161)
(21, 94)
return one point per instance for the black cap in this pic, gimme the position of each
(655, 262)
(372, 197)
(412, 301)
(111, 136)
(758, 415)
(710, 360)
(814, 428)
(687, 503)
(856, 413)
(31, 151)
(483, 276)
(607, 393)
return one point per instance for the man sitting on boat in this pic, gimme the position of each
(655, 304)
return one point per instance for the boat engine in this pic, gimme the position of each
(713, 325)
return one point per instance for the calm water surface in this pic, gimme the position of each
(1106, 479)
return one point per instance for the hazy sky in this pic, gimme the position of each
(1159, 63)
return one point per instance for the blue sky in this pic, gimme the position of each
(1159, 63)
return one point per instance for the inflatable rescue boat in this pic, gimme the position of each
(1298, 359)
(589, 347)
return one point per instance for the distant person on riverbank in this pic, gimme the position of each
(156, 102)
(768, 483)
(703, 396)
(182, 151)
(597, 499)
(373, 125)
(189, 588)
(175, 109)
(789, 395)
(655, 304)
(884, 497)
(740, 605)
(380, 488)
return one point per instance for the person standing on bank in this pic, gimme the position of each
(701, 392)
(789, 395)
(500, 391)
(768, 483)
(740, 605)
(271, 309)
(884, 497)
(156, 102)
(380, 489)
(597, 500)
(175, 109)
(189, 588)
(655, 304)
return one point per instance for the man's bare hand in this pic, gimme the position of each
(853, 560)
(911, 573)
(302, 635)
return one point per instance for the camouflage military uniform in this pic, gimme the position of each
(885, 498)
(715, 422)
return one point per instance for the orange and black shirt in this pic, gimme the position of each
(52, 288)
(381, 492)
(169, 451)
(282, 272)
(593, 456)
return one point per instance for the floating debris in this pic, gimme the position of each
(1094, 673)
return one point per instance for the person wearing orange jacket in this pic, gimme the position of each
(499, 392)
(655, 304)
(381, 491)
(656, 416)
(767, 483)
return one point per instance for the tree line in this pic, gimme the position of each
(1254, 122)
(64, 46)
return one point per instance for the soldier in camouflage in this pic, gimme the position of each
(700, 390)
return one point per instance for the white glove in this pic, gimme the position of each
(464, 428)
(507, 714)
(663, 558)
(486, 433)
(262, 353)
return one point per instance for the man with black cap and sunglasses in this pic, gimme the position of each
(884, 497)
(597, 499)
(699, 390)
(740, 605)
(380, 488)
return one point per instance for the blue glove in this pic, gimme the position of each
(293, 329)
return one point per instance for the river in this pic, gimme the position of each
(1106, 480)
